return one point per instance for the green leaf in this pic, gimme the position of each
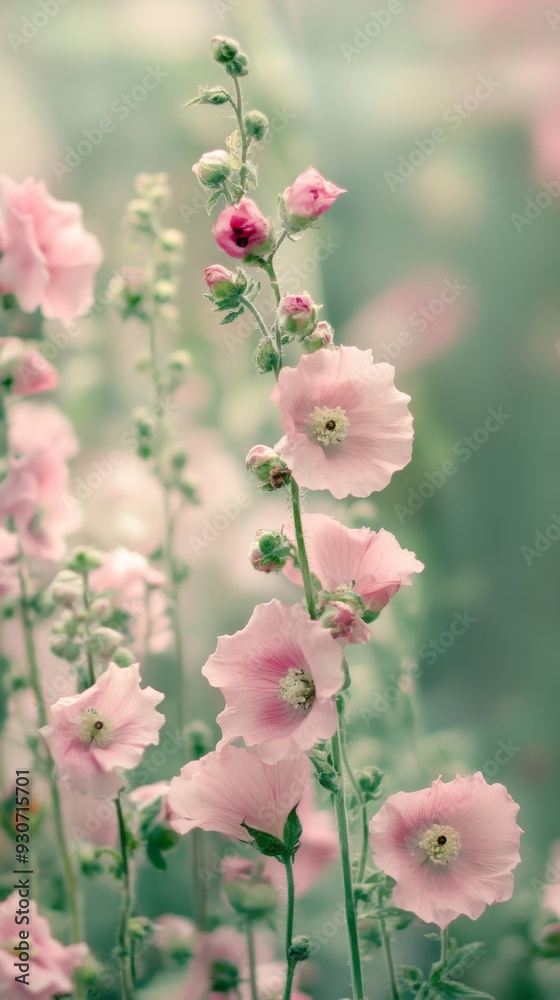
(148, 817)
(213, 199)
(4, 689)
(232, 316)
(450, 989)
(462, 958)
(292, 832)
(161, 839)
(411, 978)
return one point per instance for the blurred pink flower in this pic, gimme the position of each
(145, 795)
(451, 848)
(242, 229)
(89, 820)
(551, 892)
(347, 428)
(278, 676)
(52, 964)
(32, 494)
(8, 563)
(36, 425)
(232, 786)
(319, 846)
(271, 978)
(23, 369)
(368, 562)
(104, 729)
(546, 143)
(136, 587)
(49, 259)
(310, 194)
(174, 935)
(218, 966)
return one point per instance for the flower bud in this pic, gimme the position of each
(308, 197)
(66, 588)
(322, 336)
(123, 657)
(154, 187)
(247, 891)
(175, 936)
(270, 551)
(143, 421)
(213, 168)
(219, 280)
(179, 361)
(139, 213)
(171, 240)
(267, 467)
(344, 622)
(369, 780)
(299, 949)
(199, 739)
(65, 648)
(224, 49)
(265, 356)
(163, 290)
(83, 560)
(297, 314)
(104, 642)
(256, 125)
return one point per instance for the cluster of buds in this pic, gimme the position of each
(270, 551)
(173, 472)
(268, 468)
(228, 53)
(344, 613)
(297, 319)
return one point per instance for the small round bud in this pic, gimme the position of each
(65, 648)
(143, 421)
(104, 642)
(83, 560)
(220, 281)
(143, 361)
(213, 168)
(265, 356)
(256, 125)
(322, 337)
(171, 240)
(270, 551)
(123, 657)
(300, 948)
(179, 361)
(139, 214)
(66, 588)
(267, 467)
(297, 314)
(247, 891)
(164, 290)
(224, 49)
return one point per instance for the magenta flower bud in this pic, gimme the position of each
(219, 280)
(308, 197)
(267, 467)
(242, 229)
(213, 168)
(297, 314)
(322, 337)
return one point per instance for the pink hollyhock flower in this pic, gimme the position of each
(52, 964)
(344, 623)
(136, 587)
(310, 194)
(23, 370)
(145, 795)
(36, 425)
(347, 428)
(8, 563)
(451, 847)
(242, 229)
(232, 786)
(49, 259)
(297, 314)
(175, 935)
(32, 494)
(218, 967)
(95, 734)
(370, 563)
(278, 676)
(319, 846)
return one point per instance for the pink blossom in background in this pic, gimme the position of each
(551, 892)
(144, 795)
(35, 425)
(219, 957)
(451, 848)
(231, 786)
(94, 735)
(319, 846)
(242, 229)
(49, 260)
(414, 321)
(310, 194)
(347, 428)
(8, 563)
(371, 563)
(546, 144)
(278, 676)
(52, 963)
(88, 820)
(136, 586)
(23, 369)
(174, 935)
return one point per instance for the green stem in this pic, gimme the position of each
(362, 806)
(89, 654)
(199, 894)
(33, 667)
(252, 959)
(444, 943)
(4, 447)
(242, 135)
(344, 837)
(302, 553)
(255, 312)
(389, 956)
(125, 951)
(291, 965)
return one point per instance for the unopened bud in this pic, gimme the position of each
(322, 337)
(171, 240)
(224, 49)
(256, 125)
(213, 168)
(179, 361)
(299, 949)
(297, 314)
(123, 657)
(164, 290)
(265, 356)
(65, 648)
(267, 467)
(220, 281)
(270, 551)
(83, 560)
(66, 588)
(104, 642)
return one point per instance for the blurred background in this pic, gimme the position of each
(443, 122)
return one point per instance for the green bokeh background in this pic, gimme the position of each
(352, 114)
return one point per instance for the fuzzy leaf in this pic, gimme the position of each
(266, 843)
(292, 832)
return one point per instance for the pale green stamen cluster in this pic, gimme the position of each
(297, 689)
(441, 843)
(329, 426)
(94, 729)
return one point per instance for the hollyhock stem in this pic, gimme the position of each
(252, 959)
(125, 953)
(68, 868)
(302, 553)
(289, 928)
(363, 816)
(89, 654)
(444, 943)
(388, 955)
(255, 312)
(242, 134)
(344, 837)
(3, 429)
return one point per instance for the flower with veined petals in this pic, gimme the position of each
(347, 428)
(23, 369)
(451, 848)
(233, 786)
(49, 260)
(278, 676)
(371, 563)
(52, 964)
(106, 728)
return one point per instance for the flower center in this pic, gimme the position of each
(329, 426)
(441, 843)
(94, 729)
(297, 689)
